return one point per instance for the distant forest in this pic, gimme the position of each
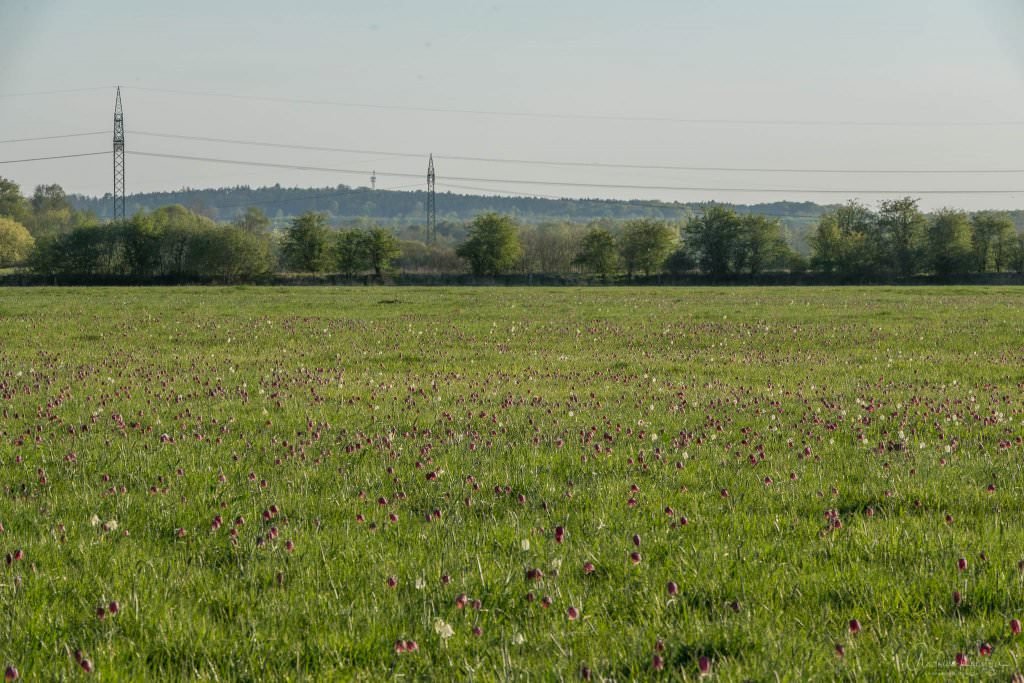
(407, 209)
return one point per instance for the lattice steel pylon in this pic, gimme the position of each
(431, 206)
(118, 159)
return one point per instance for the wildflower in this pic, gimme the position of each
(443, 629)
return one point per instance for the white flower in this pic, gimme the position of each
(94, 520)
(420, 583)
(518, 639)
(112, 525)
(443, 629)
(525, 544)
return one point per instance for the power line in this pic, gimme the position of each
(611, 186)
(257, 143)
(266, 164)
(62, 156)
(54, 92)
(56, 137)
(592, 117)
(585, 164)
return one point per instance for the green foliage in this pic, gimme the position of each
(417, 257)
(306, 244)
(549, 247)
(12, 204)
(493, 246)
(351, 255)
(232, 254)
(680, 262)
(51, 212)
(406, 208)
(598, 253)
(841, 241)
(357, 251)
(849, 241)
(253, 221)
(995, 241)
(645, 244)
(762, 246)
(381, 249)
(902, 235)
(172, 243)
(950, 249)
(15, 242)
(715, 240)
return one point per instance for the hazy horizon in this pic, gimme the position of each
(926, 86)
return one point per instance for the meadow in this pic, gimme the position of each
(481, 484)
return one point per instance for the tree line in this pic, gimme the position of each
(47, 236)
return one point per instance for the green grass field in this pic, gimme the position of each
(788, 459)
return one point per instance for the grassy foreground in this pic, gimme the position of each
(483, 484)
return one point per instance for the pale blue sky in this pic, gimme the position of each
(908, 61)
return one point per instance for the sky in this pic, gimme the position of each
(696, 85)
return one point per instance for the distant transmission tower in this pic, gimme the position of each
(431, 206)
(373, 180)
(118, 159)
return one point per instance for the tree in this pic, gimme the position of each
(762, 246)
(12, 204)
(351, 252)
(178, 230)
(139, 246)
(15, 242)
(645, 244)
(549, 247)
(306, 245)
(49, 198)
(902, 231)
(358, 250)
(381, 250)
(680, 261)
(51, 213)
(597, 253)
(253, 221)
(995, 241)
(715, 239)
(87, 250)
(841, 241)
(231, 254)
(492, 246)
(950, 246)
(419, 257)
